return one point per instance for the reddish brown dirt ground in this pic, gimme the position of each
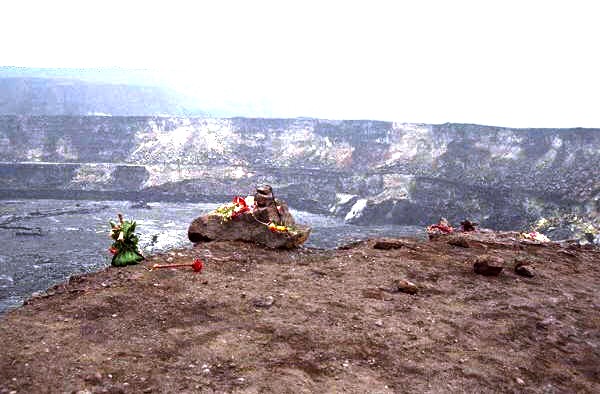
(333, 325)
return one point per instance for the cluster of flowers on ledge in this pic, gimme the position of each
(239, 206)
(535, 236)
(234, 209)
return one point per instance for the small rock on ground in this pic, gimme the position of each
(405, 286)
(488, 265)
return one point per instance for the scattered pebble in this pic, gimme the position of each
(482, 265)
(405, 286)
(263, 302)
(520, 381)
(524, 270)
(379, 323)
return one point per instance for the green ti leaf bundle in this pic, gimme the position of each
(125, 245)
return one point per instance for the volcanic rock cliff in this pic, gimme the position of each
(363, 171)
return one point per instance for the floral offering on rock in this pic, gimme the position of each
(259, 219)
(240, 205)
(443, 227)
(535, 236)
(233, 209)
(274, 228)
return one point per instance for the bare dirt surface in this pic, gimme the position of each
(318, 321)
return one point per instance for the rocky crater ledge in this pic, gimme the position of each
(468, 312)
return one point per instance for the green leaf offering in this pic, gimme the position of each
(125, 245)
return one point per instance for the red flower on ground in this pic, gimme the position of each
(197, 266)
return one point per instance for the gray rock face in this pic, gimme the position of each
(363, 171)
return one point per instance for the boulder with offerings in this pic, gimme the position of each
(259, 218)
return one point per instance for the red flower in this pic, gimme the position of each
(239, 201)
(238, 211)
(197, 266)
(240, 208)
(113, 250)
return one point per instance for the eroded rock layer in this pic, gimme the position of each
(364, 171)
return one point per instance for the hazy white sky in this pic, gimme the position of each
(509, 63)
